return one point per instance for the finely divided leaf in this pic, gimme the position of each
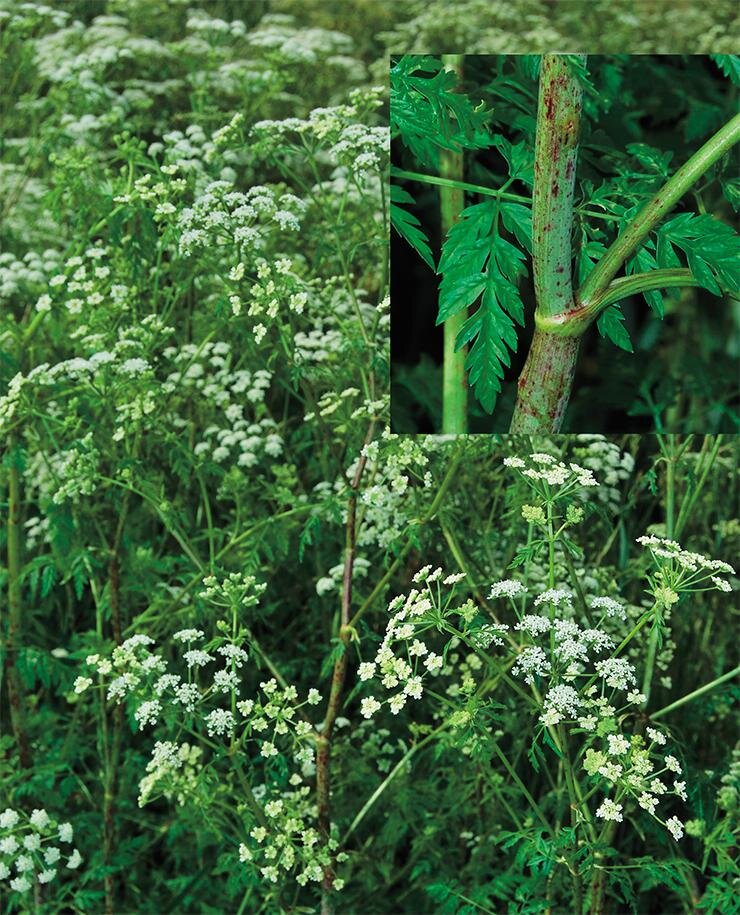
(475, 262)
(408, 226)
(712, 249)
(518, 220)
(611, 326)
(429, 113)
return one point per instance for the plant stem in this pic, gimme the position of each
(545, 383)
(555, 157)
(670, 452)
(650, 215)
(460, 185)
(452, 202)
(689, 697)
(16, 699)
(547, 377)
(323, 739)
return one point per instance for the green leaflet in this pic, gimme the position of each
(589, 254)
(475, 262)
(408, 226)
(644, 262)
(611, 326)
(428, 113)
(712, 249)
(729, 64)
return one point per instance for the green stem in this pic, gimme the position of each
(452, 202)
(574, 323)
(689, 697)
(555, 157)
(522, 787)
(670, 456)
(650, 215)
(460, 185)
(547, 377)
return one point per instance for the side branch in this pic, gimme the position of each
(651, 214)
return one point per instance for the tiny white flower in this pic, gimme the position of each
(369, 706)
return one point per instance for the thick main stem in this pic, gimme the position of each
(547, 377)
(555, 157)
(452, 202)
(545, 383)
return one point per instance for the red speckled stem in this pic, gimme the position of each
(555, 157)
(545, 383)
(546, 379)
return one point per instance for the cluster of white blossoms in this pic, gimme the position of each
(172, 772)
(327, 127)
(134, 670)
(636, 771)
(278, 292)
(30, 851)
(86, 283)
(679, 570)
(120, 369)
(245, 221)
(403, 661)
(544, 473)
(286, 839)
(27, 275)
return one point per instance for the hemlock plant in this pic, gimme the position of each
(627, 243)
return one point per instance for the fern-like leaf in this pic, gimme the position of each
(429, 114)
(712, 250)
(408, 226)
(477, 262)
(729, 64)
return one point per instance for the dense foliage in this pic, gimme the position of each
(235, 676)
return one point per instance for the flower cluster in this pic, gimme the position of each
(29, 848)
(221, 215)
(680, 571)
(403, 662)
(286, 839)
(545, 473)
(635, 770)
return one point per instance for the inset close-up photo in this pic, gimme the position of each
(564, 247)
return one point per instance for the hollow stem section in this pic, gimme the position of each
(545, 383)
(452, 202)
(555, 157)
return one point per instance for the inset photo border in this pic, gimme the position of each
(564, 245)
